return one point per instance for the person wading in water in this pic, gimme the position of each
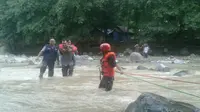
(108, 64)
(67, 59)
(50, 54)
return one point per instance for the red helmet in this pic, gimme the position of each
(105, 47)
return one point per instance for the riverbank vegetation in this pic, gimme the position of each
(31, 22)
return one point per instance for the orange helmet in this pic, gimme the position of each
(105, 47)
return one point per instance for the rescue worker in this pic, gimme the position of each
(50, 54)
(67, 60)
(108, 64)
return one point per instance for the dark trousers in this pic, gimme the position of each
(67, 70)
(50, 65)
(107, 83)
(145, 55)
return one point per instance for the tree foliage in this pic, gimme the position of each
(25, 22)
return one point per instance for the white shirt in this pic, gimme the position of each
(146, 49)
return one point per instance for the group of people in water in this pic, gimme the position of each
(67, 51)
(65, 54)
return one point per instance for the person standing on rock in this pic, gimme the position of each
(108, 65)
(67, 59)
(145, 50)
(137, 48)
(50, 54)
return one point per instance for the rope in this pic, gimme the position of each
(150, 76)
(164, 87)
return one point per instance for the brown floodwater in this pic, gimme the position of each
(22, 91)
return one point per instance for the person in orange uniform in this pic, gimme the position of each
(108, 65)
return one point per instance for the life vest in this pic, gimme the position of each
(50, 53)
(106, 68)
(74, 48)
(60, 46)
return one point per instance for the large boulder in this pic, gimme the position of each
(140, 67)
(127, 52)
(192, 56)
(182, 73)
(136, 57)
(149, 102)
(184, 52)
(162, 68)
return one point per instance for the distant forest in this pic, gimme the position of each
(31, 22)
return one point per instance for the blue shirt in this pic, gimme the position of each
(50, 53)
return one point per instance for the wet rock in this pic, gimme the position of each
(178, 61)
(90, 58)
(181, 73)
(162, 68)
(192, 56)
(151, 69)
(149, 102)
(136, 57)
(140, 67)
(127, 52)
(184, 52)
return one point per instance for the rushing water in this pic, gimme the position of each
(22, 91)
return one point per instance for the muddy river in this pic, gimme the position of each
(22, 91)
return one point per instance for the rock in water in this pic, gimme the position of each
(192, 56)
(141, 68)
(136, 57)
(149, 102)
(90, 59)
(182, 73)
(162, 68)
(127, 52)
